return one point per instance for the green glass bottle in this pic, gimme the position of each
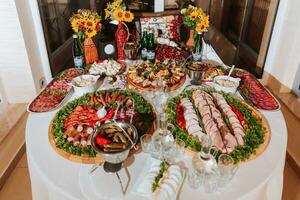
(144, 45)
(198, 47)
(151, 47)
(77, 51)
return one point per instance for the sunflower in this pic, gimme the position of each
(91, 32)
(118, 14)
(74, 24)
(115, 5)
(200, 27)
(206, 21)
(106, 13)
(128, 16)
(193, 15)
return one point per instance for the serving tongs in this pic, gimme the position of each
(131, 119)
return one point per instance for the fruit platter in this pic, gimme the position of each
(146, 76)
(254, 92)
(55, 92)
(72, 127)
(235, 127)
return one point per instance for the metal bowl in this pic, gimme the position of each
(114, 157)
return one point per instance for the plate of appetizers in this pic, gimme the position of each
(107, 68)
(71, 129)
(53, 95)
(160, 180)
(235, 127)
(147, 76)
(254, 92)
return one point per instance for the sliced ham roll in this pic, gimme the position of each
(209, 124)
(233, 120)
(191, 118)
(214, 123)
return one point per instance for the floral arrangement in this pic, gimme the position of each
(117, 11)
(195, 18)
(85, 23)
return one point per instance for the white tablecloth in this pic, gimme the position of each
(53, 177)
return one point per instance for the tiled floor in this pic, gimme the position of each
(17, 186)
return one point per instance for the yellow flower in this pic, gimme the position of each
(193, 16)
(74, 24)
(118, 14)
(106, 13)
(201, 27)
(90, 32)
(206, 21)
(128, 16)
(183, 11)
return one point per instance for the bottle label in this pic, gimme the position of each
(144, 53)
(151, 55)
(197, 57)
(78, 61)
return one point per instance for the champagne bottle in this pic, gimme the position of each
(151, 47)
(198, 47)
(144, 44)
(77, 52)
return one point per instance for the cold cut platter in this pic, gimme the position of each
(254, 92)
(55, 92)
(235, 127)
(71, 129)
(147, 76)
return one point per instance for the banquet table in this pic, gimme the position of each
(54, 177)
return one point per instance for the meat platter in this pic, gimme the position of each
(146, 76)
(235, 127)
(254, 92)
(71, 129)
(55, 92)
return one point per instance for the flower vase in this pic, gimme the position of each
(198, 47)
(90, 51)
(191, 41)
(121, 37)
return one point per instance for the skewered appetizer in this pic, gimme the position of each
(147, 75)
(72, 127)
(234, 127)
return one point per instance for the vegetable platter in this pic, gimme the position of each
(71, 129)
(55, 92)
(235, 127)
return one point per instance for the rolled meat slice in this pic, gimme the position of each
(209, 124)
(191, 118)
(236, 127)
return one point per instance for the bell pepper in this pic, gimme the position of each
(102, 141)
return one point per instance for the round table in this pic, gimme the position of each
(54, 177)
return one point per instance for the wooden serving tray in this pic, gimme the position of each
(84, 159)
(140, 88)
(267, 136)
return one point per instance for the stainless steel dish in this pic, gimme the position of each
(114, 157)
(131, 50)
(120, 156)
(195, 75)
